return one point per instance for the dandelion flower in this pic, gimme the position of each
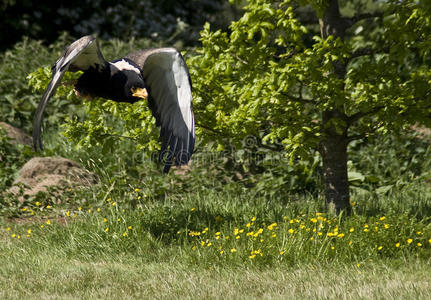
(341, 235)
(68, 213)
(397, 245)
(105, 220)
(41, 226)
(8, 229)
(37, 203)
(351, 229)
(233, 250)
(386, 226)
(209, 244)
(291, 231)
(124, 233)
(253, 219)
(273, 235)
(429, 241)
(382, 218)
(114, 203)
(192, 209)
(358, 265)
(419, 244)
(314, 220)
(29, 231)
(380, 248)
(282, 252)
(350, 242)
(48, 222)
(130, 228)
(137, 190)
(409, 241)
(106, 229)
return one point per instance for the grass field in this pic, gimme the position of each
(217, 246)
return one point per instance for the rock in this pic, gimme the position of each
(16, 135)
(42, 172)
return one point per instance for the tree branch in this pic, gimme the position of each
(368, 51)
(355, 117)
(361, 16)
(298, 99)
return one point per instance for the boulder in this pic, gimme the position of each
(42, 172)
(16, 135)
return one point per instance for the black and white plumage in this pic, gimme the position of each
(161, 72)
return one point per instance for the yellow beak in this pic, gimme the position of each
(140, 93)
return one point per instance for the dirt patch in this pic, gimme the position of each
(16, 135)
(39, 173)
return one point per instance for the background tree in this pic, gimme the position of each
(273, 77)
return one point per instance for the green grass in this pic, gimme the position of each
(177, 247)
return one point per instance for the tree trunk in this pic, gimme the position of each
(333, 147)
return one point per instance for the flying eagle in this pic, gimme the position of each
(159, 75)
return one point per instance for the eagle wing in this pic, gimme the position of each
(169, 87)
(80, 55)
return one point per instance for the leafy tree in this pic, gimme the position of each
(302, 74)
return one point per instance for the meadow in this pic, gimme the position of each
(235, 225)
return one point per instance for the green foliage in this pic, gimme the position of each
(261, 79)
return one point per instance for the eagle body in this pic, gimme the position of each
(159, 75)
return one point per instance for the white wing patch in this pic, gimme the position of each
(122, 65)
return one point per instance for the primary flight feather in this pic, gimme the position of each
(159, 75)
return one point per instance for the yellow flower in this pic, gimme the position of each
(248, 225)
(429, 241)
(124, 233)
(105, 220)
(397, 245)
(217, 233)
(221, 251)
(358, 265)
(98, 209)
(314, 220)
(366, 226)
(319, 233)
(194, 248)
(37, 203)
(282, 252)
(48, 206)
(106, 229)
(137, 190)
(273, 235)
(129, 227)
(41, 226)
(419, 244)
(68, 213)
(332, 248)
(252, 256)
(366, 230)
(233, 250)
(209, 244)
(409, 241)
(13, 235)
(419, 232)
(237, 237)
(48, 222)
(382, 218)
(351, 229)
(380, 248)
(80, 208)
(291, 231)
(118, 220)
(341, 235)
(350, 242)
(253, 219)
(114, 203)
(192, 209)
(386, 226)
(8, 229)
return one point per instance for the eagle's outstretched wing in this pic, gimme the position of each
(169, 87)
(80, 55)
